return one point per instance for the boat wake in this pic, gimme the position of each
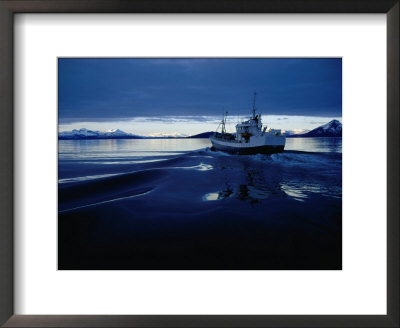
(206, 175)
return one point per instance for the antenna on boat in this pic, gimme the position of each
(254, 105)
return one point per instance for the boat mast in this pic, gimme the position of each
(254, 105)
(224, 122)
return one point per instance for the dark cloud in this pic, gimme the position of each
(113, 89)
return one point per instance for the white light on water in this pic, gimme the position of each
(211, 196)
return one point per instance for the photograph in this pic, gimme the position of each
(199, 163)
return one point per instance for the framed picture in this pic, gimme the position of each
(186, 169)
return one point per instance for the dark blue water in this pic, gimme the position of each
(174, 204)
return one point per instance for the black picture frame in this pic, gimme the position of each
(7, 10)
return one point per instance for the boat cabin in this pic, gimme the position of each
(246, 129)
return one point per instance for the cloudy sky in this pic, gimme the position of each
(188, 96)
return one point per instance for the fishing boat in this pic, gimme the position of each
(250, 137)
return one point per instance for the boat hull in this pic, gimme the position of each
(252, 150)
(242, 149)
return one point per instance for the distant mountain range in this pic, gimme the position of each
(203, 135)
(113, 134)
(89, 134)
(331, 129)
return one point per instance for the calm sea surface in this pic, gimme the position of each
(145, 148)
(174, 204)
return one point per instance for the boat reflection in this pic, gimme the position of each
(249, 184)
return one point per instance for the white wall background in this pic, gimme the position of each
(360, 288)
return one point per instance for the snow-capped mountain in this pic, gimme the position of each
(116, 133)
(90, 134)
(167, 135)
(331, 129)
